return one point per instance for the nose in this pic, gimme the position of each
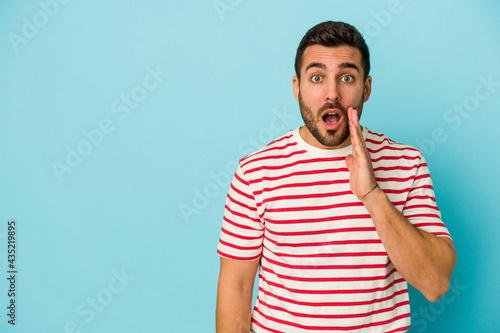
(332, 92)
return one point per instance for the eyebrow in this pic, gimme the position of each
(315, 64)
(349, 65)
(343, 65)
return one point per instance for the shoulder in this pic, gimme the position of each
(377, 143)
(283, 147)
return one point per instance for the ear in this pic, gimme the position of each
(368, 88)
(295, 81)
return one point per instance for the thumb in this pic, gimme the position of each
(349, 161)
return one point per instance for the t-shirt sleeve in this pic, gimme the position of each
(242, 230)
(421, 208)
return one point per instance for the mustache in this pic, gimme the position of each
(327, 106)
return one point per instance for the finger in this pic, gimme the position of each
(353, 115)
(357, 148)
(354, 126)
(349, 163)
(357, 140)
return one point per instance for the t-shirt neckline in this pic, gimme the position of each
(320, 151)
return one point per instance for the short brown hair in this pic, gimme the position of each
(333, 34)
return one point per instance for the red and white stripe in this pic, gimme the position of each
(323, 266)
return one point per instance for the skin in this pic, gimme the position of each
(330, 76)
(332, 81)
(234, 295)
(424, 260)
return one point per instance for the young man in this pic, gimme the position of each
(337, 217)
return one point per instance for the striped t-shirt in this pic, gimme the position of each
(323, 267)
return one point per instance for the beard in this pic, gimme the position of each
(332, 138)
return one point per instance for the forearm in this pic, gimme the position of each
(233, 310)
(234, 295)
(423, 259)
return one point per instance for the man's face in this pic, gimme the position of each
(331, 80)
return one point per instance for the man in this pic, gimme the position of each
(337, 217)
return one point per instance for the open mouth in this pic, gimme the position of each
(331, 119)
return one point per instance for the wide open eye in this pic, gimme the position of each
(316, 78)
(347, 78)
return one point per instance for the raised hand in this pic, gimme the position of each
(362, 179)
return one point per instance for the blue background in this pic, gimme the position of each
(146, 200)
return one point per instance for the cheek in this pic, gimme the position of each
(354, 96)
(311, 96)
